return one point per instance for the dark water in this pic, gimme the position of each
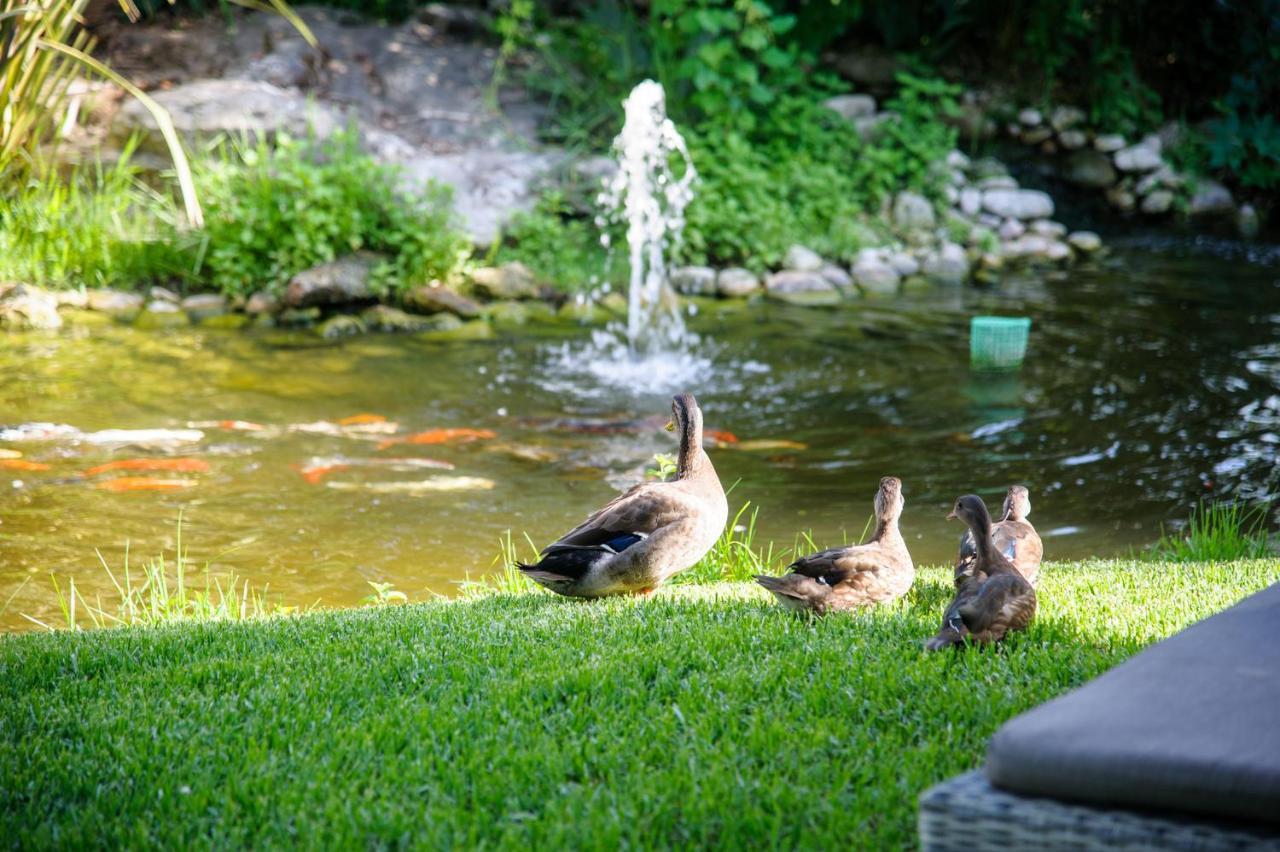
(1152, 381)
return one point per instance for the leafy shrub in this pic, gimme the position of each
(561, 246)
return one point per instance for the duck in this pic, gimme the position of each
(994, 599)
(877, 572)
(1013, 535)
(648, 534)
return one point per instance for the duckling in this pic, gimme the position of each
(877, 572)
(644, 536)
(994, 599)
(1013, 535)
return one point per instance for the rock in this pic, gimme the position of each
(1048, 146)
(1161, 177)
(1085, 242)
(1063, 118)
(1137, 158)
(983, 238)
(987, 220)
(1152, 141)
(162, 294)
(509, 281)
(1090, 168)
(1247, 221)
(874, 276)
(838, 278)
(297, 317)
(1018, 203)
(1048, 228)
(1035, 135)
(1025, 247)
(912, 212)
(850, 107)
(801, 287)
(1073, 140)
(1030, 117)
(393, 320)
(25, 307)
(457, 19)
(997, 182)
(904, 264)
(868, 127)
(802, 259)
(581, 311)
(435, 299)
(988, 167)
(72, 299)
(1011, 229)
(948, 265)
(1109, 143)
(1157, 202)
(870, 66)
(162, 306)
(507, 314)
(1057, 251)
(957, 160)
(114, 301)
(341, 325)
(951, 195)
(160, 314)
(736, 282)
(694, 280)
(1121, 198)
(340, 282)
(1210, 197)
(262, 303)
(444, 322)
(474, 330)
(970, 201)
(204, 306)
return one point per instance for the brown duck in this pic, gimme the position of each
(877, 572)
(1012, 535)
(991, 601)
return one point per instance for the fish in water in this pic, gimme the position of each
(38, 432)
(419, 486)
(180, 465)
(441, 436)
(362, 420)
(21, 464)
(233, 425)
(9, 454)
(144, 483)
(718, 437)
(142, 437)
(316, 469)
(765, 444)
(354, 430)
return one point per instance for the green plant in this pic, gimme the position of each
(384, 594)
(664, 466)
(1217, 532)
(562, 246)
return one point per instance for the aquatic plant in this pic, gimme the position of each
(1217, 532)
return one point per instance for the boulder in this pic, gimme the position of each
(1162, 177)
(693, 280)
(1048, 228)
(1085, 242)
(1121, 198)
(850, 107)
(26, 307)
(904, 264)
(296, 317)
(1091, 168)
(1138, 158)
(1030, 117)
(970, 201)
(204, 306)
(1210, 197)
(340, 282)
(1157, 203)
(1036, 135)
(997, 182)
(1011, 229)
(78, 299)
(1109, 143)
(839, 279)
(1063, 118)
(1247, 221)
(802, 287)
(114, 301)
(435, 299)
(160, 314)
(508, 281)
(1057, 251)
(393, 320)
(1018, 203)
(870, 66)
(802, 259)
(736, 282)
(948, 264)
(341, 325)
(874, 275)
(163, 294)
(1028, 246)
(912, 212)
(957, 159)
(262, 303)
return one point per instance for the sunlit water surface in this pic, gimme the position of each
(1152, 381)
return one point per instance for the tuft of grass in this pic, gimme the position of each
(1217, 532)
(703, 716)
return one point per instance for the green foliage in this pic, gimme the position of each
(406, 725)
(274, 211)
(1217, 532)
(561, 246)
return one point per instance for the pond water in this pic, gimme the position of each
(1152, 380)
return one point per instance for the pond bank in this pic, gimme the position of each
(404, 724)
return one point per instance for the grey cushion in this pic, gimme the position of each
(1191, 724)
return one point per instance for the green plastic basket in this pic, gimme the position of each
(998, 343)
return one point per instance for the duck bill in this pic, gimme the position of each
(671, 426)
(951, 516)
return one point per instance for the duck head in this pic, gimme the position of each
(972, 511)
(686, 421)
(1017, 503)
(889, 501)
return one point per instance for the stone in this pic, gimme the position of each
(997, 182)
(1063, 118)
(1161, 177)
(446, 322)
(162, 294)
(1085, 242)
(1152, 141)
(204, 306)
(1109, 143)
(694, 280)
(904, 264)
(1011, 229)
(1036, 135)
(581, 311)
(340, 282)
(392, 320)
(1210, 197)
(801, 287)
(912, 212)
(508, 314)
(1157, 203)
(1121, 198)
(262, 303)
(72, 299)
(297, 317)
(1137, 158)
(1018, 203)
(1090, 168)
(988, 220)
(25, 307)
(1057, 251)
(340, 325)
(947, 265)
(850, 107)
(1247, 221)
(971, 201)
(869, 66)
(951, 195)
(737, 283)
(473, 330)
(987, 167)
(509, 281)
(874, 276)
(162, 306)
(1048, 146)
(436, 298)
(957, 159)
(839, 279)
(455, 18)
(802, 259)
(1030, 117)
(160, 314)
(114, 301)
(1073, 140)
(1048, 228)
(1028, 246)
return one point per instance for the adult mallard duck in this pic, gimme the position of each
(1012, 535)
(845, 577)
(646, 535)
(991, 601)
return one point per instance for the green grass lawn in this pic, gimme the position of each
(701, 716)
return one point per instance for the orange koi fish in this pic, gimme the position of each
(181, 465)
(361, 419)
(720, 436)
(441, 436)
(19, 464)
(313, 474)
(144, 483)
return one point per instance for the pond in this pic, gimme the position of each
(1152, 380)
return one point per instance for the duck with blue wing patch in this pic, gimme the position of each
(645, 536)
(1013, 536)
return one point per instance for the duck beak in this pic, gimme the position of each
(671, 426)
(951, 516)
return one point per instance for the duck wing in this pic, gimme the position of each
(641, 511)
(1021, 545)
(1005, 602)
